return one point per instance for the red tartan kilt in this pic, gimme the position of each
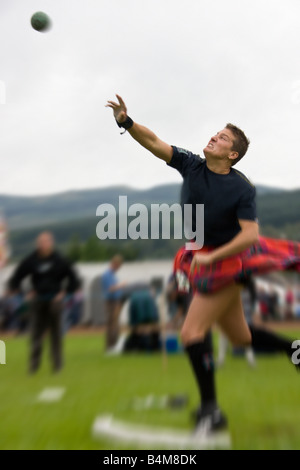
(267, 255)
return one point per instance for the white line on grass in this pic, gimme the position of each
(51, 394)
(106, 427)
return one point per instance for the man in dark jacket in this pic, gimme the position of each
(52, 277)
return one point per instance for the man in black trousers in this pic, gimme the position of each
(52, 277)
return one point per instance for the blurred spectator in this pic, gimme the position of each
(112, 291)
(289, 304)
(11, 309)
(263, 301)
(72, 310)
(144, 321)
(297, 302)
(178, 303)
(48, 271)
(281, 306)
(273, 299)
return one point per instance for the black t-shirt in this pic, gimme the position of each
(226, 198)
(46, 273)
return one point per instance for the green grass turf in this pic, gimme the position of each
(262, 404)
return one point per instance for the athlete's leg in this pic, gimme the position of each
(241, 334)
(204, 311)
(234, 324)
(269, 341)
(235, 328)
(207, 309)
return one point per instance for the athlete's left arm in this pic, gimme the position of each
(248, 236)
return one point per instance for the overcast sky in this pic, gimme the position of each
(184, 69)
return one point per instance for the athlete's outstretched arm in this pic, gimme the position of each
(141, 134)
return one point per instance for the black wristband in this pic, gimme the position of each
(127, 124)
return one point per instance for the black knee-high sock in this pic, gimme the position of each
(268, 341)
(201, 358)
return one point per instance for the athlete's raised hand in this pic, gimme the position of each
(204, 259)
(119, 109)
(141, 134)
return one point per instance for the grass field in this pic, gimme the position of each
(262, 403)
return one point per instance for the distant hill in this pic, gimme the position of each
(279, 209)
(73, 213)
(31, 211)
(262, 190)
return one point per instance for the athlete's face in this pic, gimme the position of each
(220, 145)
